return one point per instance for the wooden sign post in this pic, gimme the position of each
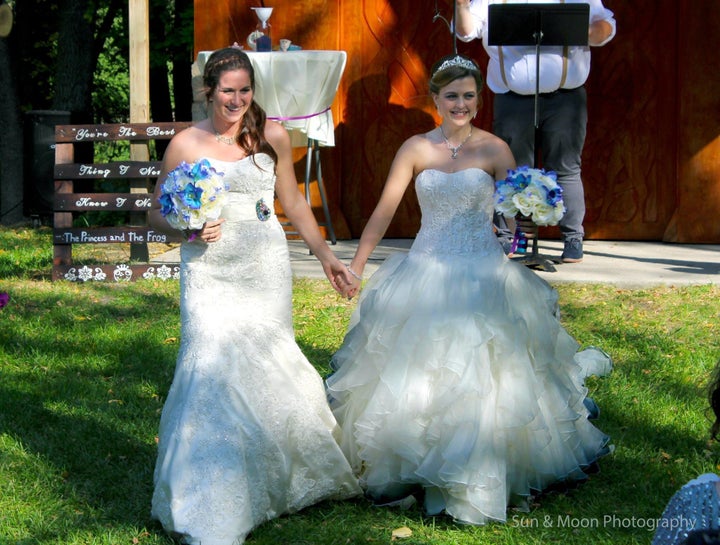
(139, 62)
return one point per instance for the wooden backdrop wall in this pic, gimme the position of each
(651, 164)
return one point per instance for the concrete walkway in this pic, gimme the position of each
(624, 264)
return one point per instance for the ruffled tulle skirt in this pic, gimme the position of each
(456, 376)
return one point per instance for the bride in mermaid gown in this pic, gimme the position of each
(246, 434)
(455, 376)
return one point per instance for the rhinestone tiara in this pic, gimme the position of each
(457, 60)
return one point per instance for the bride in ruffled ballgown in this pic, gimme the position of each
(246, 433)
(455, 377)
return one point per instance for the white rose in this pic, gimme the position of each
(526, 201)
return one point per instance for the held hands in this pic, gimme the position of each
(348, 282)
(340, 278)
(354, 286)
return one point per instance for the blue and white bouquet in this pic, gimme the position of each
(532, 192)
(191, 195)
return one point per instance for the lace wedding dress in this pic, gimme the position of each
(246, 433)
(455, 374)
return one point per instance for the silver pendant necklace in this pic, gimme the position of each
(229, 140)
(454, 150)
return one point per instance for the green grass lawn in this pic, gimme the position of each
(85, 369)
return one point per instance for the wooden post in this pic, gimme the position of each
(139, 25)
(62, 254)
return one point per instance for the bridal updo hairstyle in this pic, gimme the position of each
(251, 137)
(452, 67)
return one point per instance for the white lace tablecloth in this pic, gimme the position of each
(294, 87)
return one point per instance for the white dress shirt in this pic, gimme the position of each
(519, 62)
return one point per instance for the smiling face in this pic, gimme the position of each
(458, 101)
(232, 96)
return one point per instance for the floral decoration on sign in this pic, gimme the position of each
(532, 192)
(121, 272)
(191, 195)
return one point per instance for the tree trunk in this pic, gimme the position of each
(11, 138)
(75, 61)
(182, 57)
(160, 102)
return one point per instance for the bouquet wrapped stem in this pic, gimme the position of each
(525, 233)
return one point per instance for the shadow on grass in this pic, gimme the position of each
(84, 402)
(92, 468)
(83, 396)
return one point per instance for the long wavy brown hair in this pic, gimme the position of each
(251, 135)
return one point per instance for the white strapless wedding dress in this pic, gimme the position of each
(246, 433)
(455, 374)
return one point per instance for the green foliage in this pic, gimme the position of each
(110, 82)
(86, 368)
(163, 14)
(185, 17)
(111, 92)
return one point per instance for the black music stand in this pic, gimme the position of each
(538, 25)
